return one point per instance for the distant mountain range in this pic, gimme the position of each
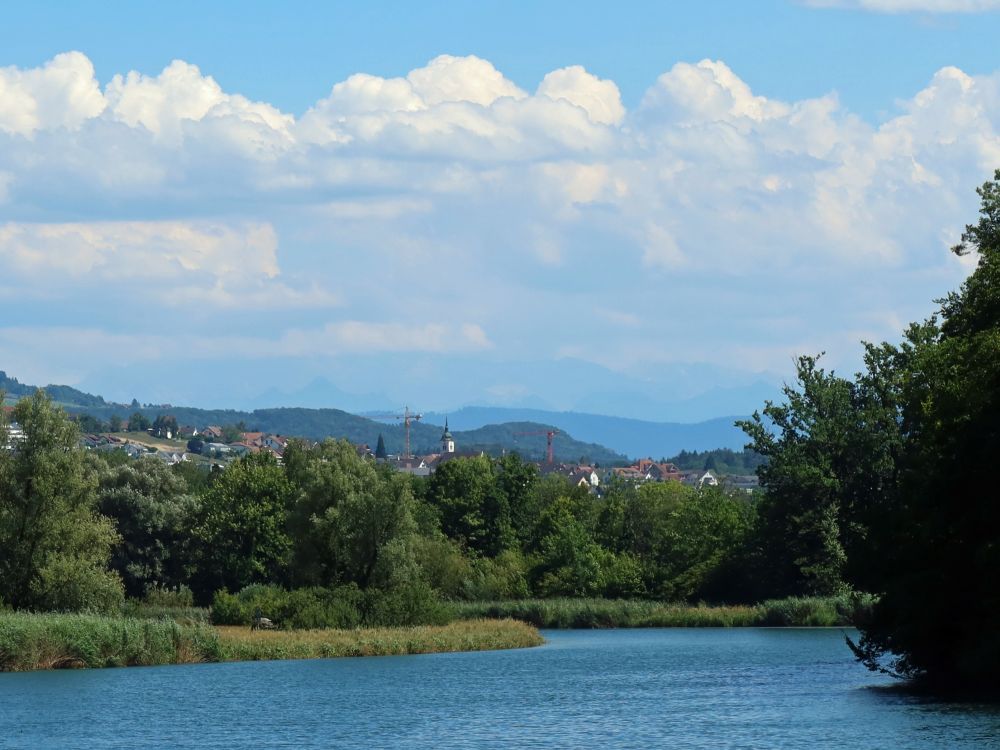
(668, 392)
(633, 437)
(600, 438)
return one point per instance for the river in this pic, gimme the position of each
(678, 688)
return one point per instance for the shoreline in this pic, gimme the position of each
(36, 642)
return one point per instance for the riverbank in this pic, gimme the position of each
(65, 641)
(621, 613)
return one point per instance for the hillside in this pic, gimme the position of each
(632, 437)
(318, 424)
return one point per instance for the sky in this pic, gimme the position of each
(641, 209)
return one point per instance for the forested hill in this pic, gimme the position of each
(318, 424)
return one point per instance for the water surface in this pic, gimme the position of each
(678, 688)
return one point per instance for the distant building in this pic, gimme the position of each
(447, 441)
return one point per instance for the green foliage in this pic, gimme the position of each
(152, 511)
(941, 537)
(55, 546)
(624, 613)
(473, 507)
(480, 635)
(241, 526)
(138, 422)
(313, 607)
(721, 461)
(409, 603)
(53, 641)
(830, 451)
(442, 565)
(347, 514)
(502, 577)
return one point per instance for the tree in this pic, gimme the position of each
(138, 422)
(54, 546)
(830, 451)
(242, 526)
(153, 511)
(165, 426)
(939, 598)
(380, 452)
(115, 423)
(89, 423)
(473, 508)
(352, 520)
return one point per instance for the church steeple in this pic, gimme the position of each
(447, 441)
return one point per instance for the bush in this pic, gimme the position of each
(410, 604)
(501, 577)
(162, 596)
(303, 608)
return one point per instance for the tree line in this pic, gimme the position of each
(83, 529)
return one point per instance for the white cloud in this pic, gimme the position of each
(910, 6)
(181, 94)
(599, 98)
(450, 191)
(205, 263)
(63, 93)
(144, 250)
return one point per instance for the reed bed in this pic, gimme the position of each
(65, 641)
(621, 613)
(241, 644)
(53, 641)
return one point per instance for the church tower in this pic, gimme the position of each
(447, 441)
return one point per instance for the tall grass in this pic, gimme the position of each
(52, 641)
(59, 641)
(181, 615)
(621, 613)
(241, 644)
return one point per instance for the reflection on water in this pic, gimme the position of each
(751, 688)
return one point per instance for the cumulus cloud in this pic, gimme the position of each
(599, 98)
(452, 189)
(63, 93)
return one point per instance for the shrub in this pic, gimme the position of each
(162, 596)
(501, 577)
(413, 603)
(303, 608)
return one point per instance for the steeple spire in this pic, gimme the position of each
(447, 441)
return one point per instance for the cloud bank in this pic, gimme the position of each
(451, 210)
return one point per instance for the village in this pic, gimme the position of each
(214, 446)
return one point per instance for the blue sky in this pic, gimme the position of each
(604, 207)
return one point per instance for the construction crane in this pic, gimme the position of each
(407, 416)
(549, 434)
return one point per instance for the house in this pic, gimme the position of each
(14, 434)
(276, 443)
(585, 476)
(415, 466)
(749, 483)
(255, 439)
(187, 431)
(243, 449)
(134, 450)
(212, 432)
(171, 458)
(213, 449)
(700, 478)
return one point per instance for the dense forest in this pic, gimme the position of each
(875, 483)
